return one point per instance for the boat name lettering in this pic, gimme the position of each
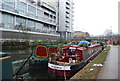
(56, 67)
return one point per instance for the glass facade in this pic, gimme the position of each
(20, 14)
(21, 8)
(39, 14)
(31, 24)
(31, 11)
(39, 27)
(8, 5)
(8, 21)
(20, 22)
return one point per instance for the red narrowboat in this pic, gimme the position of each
(70, 59)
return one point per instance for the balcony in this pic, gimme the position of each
(67, 15)
(67, 20)
(67, 11)
(67, 25)
(67, 6)
(7, 25)
(43, 4)
(8, 7)
(67, 2)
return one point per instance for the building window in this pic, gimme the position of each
(9, 2)
(31, 24)
(54, 18)
(8, 21)
(46, 15)
(21, 7)
(67, 3)
(8, 5)
(39, 14)
(45, 28)
(20, 21)
(50, 29)
(67, 12)
(31, 11)
(51, 16)
(39, 27)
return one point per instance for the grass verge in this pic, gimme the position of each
(85, 73)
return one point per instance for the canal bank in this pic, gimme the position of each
(91, 70)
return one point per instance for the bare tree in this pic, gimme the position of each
(108, 32)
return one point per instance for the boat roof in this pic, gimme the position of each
(82, 48)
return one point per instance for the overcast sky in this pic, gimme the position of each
(94, 16)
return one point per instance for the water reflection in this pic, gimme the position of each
(18, 54)
(18, 59)
(36, 75)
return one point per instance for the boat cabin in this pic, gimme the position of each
(71, 54)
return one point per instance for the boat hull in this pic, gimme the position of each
(66, 72)
(63, 72)
(38, 65)
(59, 74)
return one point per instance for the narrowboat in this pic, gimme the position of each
(69, 59)
(39, 61)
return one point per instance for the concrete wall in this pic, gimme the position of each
(17, 35)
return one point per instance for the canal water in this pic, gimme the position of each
(18, 59)
(36, 75)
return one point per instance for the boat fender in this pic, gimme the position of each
(73, 61)
(32, 58)
(70, 60)
(32, 61)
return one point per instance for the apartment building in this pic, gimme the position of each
(65, 18)
(41, 19)
(37, 19)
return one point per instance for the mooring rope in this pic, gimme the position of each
(64, 72)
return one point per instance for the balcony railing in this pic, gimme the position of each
(8, 7)
(48, 6)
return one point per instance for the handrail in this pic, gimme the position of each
(5, 58)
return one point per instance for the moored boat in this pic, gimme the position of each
(39, 61)
(71, 59)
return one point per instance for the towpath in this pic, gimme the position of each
(110, 67)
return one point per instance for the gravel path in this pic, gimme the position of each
(110, 67)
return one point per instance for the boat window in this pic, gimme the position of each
(69, 53)
(53, 50)
(41, 51)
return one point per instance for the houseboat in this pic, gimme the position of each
(69, 59)
(39, 60)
